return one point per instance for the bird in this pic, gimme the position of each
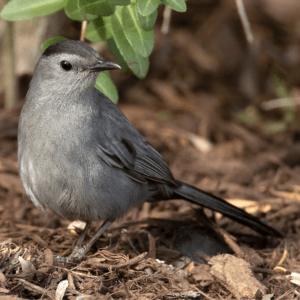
(80, 157)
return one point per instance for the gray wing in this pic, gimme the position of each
(120, 145)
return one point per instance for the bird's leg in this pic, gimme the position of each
(80, 253)
(78, 244)
(83, 234)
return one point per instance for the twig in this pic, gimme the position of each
(10, 297)
(130, 262)
(36, 288)
(282, 259)
(223, 233)
(244, 20)
(263, 270)
(165, 27)
(10, 79)
(83, 28)
(79, 273)
(228, 239)
(132, 245)
(152, 248)
(276, 160)
(287, 293)
(279, 103)
(126, 290)
(203, 294)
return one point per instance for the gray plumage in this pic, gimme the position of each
(80, 156)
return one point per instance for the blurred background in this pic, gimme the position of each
(224, 114)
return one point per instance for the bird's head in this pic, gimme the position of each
(70, 65)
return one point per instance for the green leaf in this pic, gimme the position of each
(17, 10)
(97, 7)
(147, 7)
(99, 29)
(107, 23)
(250, 116)
(146, 22)
(279, 83)
(178, 5)
(75, 12)
(112, 47)
(137, 63)
(106, 86)
(119, 2)
(273, 127)
(141, 41)
(51, 41)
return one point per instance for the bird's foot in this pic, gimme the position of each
(78, 254)
(58, 258)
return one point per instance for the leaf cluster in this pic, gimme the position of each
(125, 25)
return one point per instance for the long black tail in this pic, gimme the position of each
(194, 195)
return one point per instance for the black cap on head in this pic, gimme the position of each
(70, 47)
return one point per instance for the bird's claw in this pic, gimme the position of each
(78, 254)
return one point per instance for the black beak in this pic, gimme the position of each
(103, 65)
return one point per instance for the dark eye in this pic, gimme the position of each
(66, 65)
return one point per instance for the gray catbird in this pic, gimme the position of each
(80, 157)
